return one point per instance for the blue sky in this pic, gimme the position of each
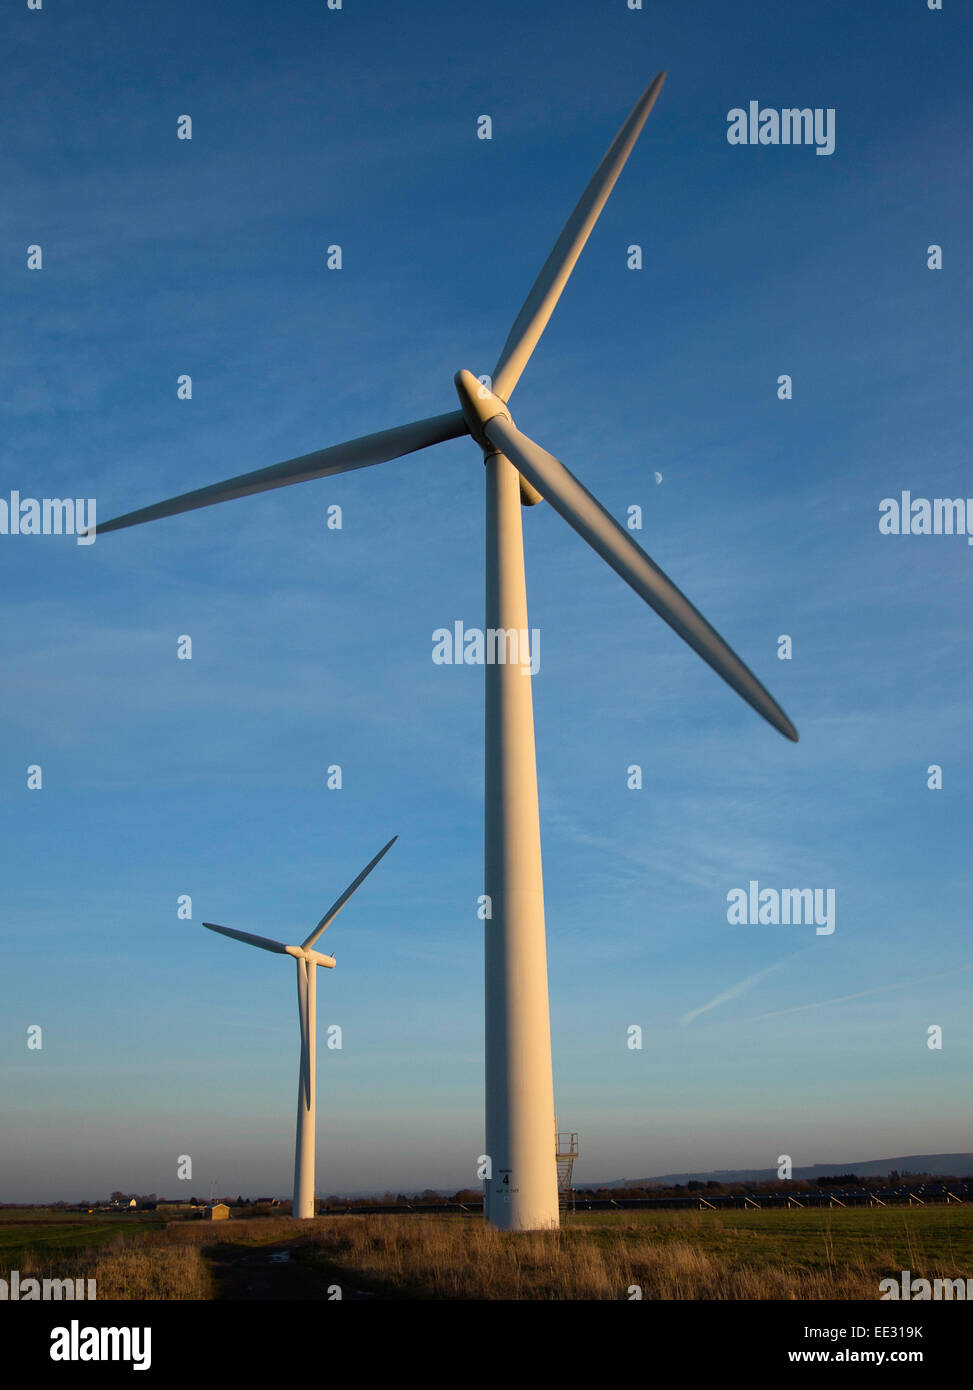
(311, 647)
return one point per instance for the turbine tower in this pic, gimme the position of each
(308, 961)
(521, 1193)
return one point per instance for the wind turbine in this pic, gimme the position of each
(308, 961)
(521, 1191)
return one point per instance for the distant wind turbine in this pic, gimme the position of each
(521, 1191)
(307, 990)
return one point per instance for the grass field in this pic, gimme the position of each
(54, 1233)
(798, 1254)
(673, 1254)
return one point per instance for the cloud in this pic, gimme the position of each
(735, 991)
(862, 994)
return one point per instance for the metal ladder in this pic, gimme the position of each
(566, 1149)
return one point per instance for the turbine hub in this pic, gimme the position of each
(479, 405)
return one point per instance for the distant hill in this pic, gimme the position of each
(944, 1165)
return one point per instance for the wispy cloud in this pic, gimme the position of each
(861, 994)
(734, 992)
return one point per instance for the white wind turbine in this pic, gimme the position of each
(308, 961)
(521, 1190)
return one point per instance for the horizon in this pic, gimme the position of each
(729, 1177)
(314, 647)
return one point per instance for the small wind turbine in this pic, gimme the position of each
(307, 976)
(521, 1193)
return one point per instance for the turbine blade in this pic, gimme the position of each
(540, 303)
(264, 942)
(302, 993)
(579, 509)
(339, 458)
(335, 908)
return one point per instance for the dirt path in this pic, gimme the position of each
(269, 1272)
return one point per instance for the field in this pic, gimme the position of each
(798, 1254)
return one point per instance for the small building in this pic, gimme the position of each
(219, 1211)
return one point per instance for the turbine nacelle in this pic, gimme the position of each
(312, 957)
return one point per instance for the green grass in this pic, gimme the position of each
(31, 1236)
(811, 1240)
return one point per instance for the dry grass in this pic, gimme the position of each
(164, 1271)
(807, 1255)
(146, 1266)
(792, 1255)
(454, 1259)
